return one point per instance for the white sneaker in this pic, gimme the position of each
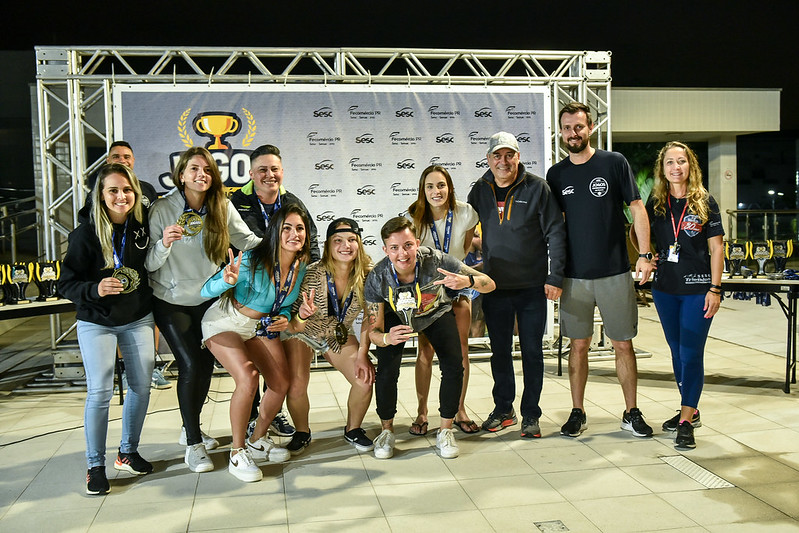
(209, 442)
(384, 444)
(446, 444)
(197, 458)
(266, 449)
(243, 467)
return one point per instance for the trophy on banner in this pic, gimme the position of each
(736, 253)
(47, 275)
(782, 250)
(405, 306)
(217, 124)
(18, 276)
(760, 252)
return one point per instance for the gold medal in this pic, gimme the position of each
(129, 278)
(342, 334)
(191, 222)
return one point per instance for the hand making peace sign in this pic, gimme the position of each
(231, 273)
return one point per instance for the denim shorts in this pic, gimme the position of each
(222, 317)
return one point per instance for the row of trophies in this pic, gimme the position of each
(15, 279)
(736, 253)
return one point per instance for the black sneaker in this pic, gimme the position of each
(281, 426)
(499, 421)
(96, 482)
(672, 423)
(530, 428)
(299, 441)
(685, 437)
(357, 437)
(576, 424)
(132, 463)
(634, 421)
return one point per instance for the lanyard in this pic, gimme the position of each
(280, 294)
(676, 227)
(415, 275)
(118, 257)
(340, 312)
(275, 207)
(447, 233)
(186, 209)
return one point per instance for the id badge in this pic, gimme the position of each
(674, 253)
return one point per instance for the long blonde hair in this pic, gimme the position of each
(217, 236)
(103, 226)
(361, 266)
(696, 195)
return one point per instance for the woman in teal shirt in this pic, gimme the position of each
(242, 330)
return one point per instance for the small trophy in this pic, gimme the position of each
(47, 275)
(736, 253)
(760, 252)
(18, 276)
(782, 250)
(405, 306)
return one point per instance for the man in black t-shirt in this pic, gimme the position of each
(592, 187)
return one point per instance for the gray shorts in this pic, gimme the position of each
(615, 298)
(220, 318)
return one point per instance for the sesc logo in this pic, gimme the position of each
(327, 216)
(369, 240)
(405, 112)
(325, 164)
(481, 163)
(523, 137)
(365, 138)
(406, 164)
(323, 112)
(483, 112)
(366, 190)
(445, 138)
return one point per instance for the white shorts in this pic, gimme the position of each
(224, 317)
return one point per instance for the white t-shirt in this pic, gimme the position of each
(464, 218)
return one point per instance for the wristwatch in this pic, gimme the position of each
(648, 256)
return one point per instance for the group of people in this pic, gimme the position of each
(241, 281)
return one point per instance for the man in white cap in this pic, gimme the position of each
(523, 230)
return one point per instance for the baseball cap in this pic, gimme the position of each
(502, 139)
(333, 227)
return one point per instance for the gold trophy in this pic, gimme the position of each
(782, 250)
(217, 124)
(760, 252)
(18, 276)
(736, 253)
(47, 275)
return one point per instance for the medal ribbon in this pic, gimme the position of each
(341, 311)
(118, 257)
(447, 233)
(676, 227)
(280, 294)
(186, 209)
(275, 207)
(416, 288)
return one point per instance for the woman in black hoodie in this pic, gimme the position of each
(103, 273)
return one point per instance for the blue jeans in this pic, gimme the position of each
(529, 308)
(685, 327)
(98, 347)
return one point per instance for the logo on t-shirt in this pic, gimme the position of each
(692, 225)
(598, 186)
(568, 190)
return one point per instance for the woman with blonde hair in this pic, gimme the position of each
(332, 298)
(198, 224)
(445, 224)
(687, 233)
(103, 273)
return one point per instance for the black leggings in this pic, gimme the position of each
(443, 335)
(182, 328)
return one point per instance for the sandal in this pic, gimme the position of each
(418, 429)
(467, 426)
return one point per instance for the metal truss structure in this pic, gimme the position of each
(74, 94)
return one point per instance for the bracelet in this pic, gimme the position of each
(715, 286)
(714, 292)
(384, 339)
(300, 319)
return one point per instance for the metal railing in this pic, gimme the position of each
(12, 216)
(763, 225)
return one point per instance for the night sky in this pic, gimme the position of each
(675, 44)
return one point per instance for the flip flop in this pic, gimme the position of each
(418, 429)
(467, 426)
